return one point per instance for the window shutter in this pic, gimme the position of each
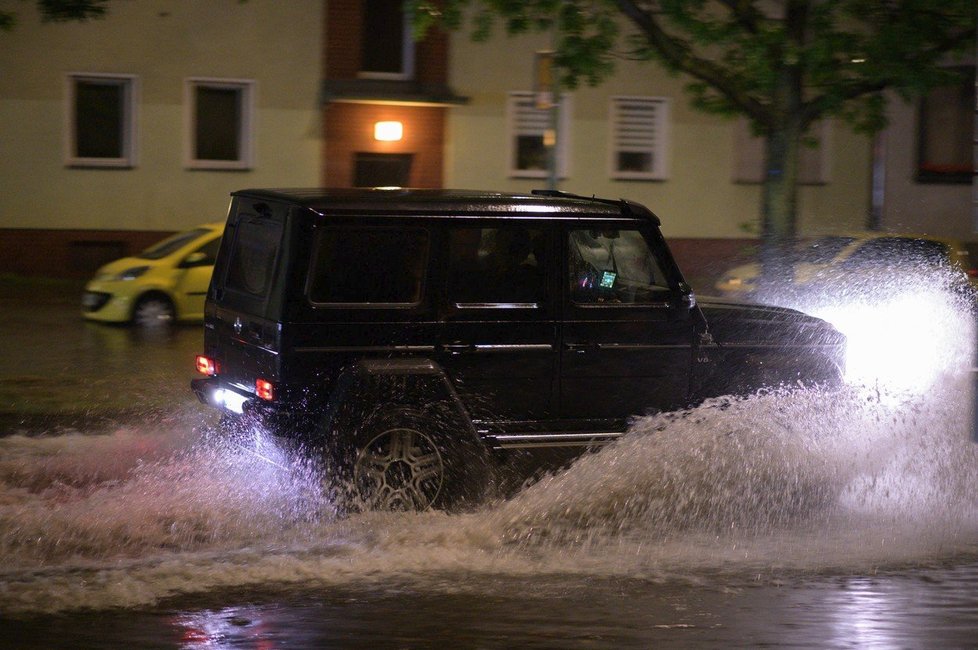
(639, 137)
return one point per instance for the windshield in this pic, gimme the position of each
(170, 244)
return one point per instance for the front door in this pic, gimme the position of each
(626, 346)
(197, 269)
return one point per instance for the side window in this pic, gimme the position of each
(498, 267)
(387, 50)
(614, 267)
(210, 252)
(898, 253)
(529, 134)
(370, 266)
(101, 121)
(639, 137)
(253, 254)
(219, 125)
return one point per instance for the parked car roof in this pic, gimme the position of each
(409, 202)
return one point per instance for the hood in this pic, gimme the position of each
(735, 322)
(112, 270)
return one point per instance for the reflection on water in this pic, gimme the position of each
(736, 492)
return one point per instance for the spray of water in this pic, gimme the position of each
(850, 479)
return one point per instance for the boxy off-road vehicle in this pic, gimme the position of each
(415, 337)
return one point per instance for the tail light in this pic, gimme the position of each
(264, 389)
(206, 365)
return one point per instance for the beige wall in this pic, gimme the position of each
(162, 42)
(698, 200)
(939, 209)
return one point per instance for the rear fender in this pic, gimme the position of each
(374, 385)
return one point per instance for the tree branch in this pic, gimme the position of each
(678, 54)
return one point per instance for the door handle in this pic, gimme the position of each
(580, 348)
(457, 348)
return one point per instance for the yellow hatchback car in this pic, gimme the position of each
(165, 283)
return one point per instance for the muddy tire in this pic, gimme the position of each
(406, 461)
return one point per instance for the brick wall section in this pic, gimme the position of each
(343, 43)
(68, 253)
(431, 58)
(342, 48)
(349, 130)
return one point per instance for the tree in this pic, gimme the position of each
(784, 64)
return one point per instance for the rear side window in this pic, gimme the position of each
(369, 266)
(498, 267)
(253, 253)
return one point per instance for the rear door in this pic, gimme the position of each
(499, 334)
(241, 325)
(626, 342)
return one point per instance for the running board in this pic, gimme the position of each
(539, 440)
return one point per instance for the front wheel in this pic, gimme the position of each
(153, 312)
(408, 462)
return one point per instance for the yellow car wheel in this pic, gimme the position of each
(153, 311)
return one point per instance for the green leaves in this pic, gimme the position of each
(757, 58)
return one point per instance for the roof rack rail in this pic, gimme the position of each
(627, 207)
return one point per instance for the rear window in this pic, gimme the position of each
(369, 266)
(252, 262)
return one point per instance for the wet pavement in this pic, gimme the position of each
(844, 520)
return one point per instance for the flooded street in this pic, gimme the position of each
(801, 519)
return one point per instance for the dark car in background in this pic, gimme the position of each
(414, 338)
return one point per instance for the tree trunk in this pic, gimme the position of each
(778, 208)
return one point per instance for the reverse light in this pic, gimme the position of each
(206, 365)
(264, 390)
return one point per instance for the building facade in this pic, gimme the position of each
(121, 130)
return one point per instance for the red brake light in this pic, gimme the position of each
(264, 389)
(206, 365)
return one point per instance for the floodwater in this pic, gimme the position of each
(788, 519)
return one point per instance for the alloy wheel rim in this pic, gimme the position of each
(399, 469)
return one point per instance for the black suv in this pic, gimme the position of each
(414, 337)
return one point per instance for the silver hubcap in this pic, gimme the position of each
(400, 469)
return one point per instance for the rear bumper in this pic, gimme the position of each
(210, 391)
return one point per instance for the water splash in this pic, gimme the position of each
(780, 481)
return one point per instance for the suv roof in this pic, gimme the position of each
(409, 202)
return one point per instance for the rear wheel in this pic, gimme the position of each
(153, 311)
(406, 461)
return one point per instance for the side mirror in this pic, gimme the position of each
(687, 299)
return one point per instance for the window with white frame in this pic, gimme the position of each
(101, 120)
(529, 130)
(387, 45)
(639, 138)
(219, 123)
